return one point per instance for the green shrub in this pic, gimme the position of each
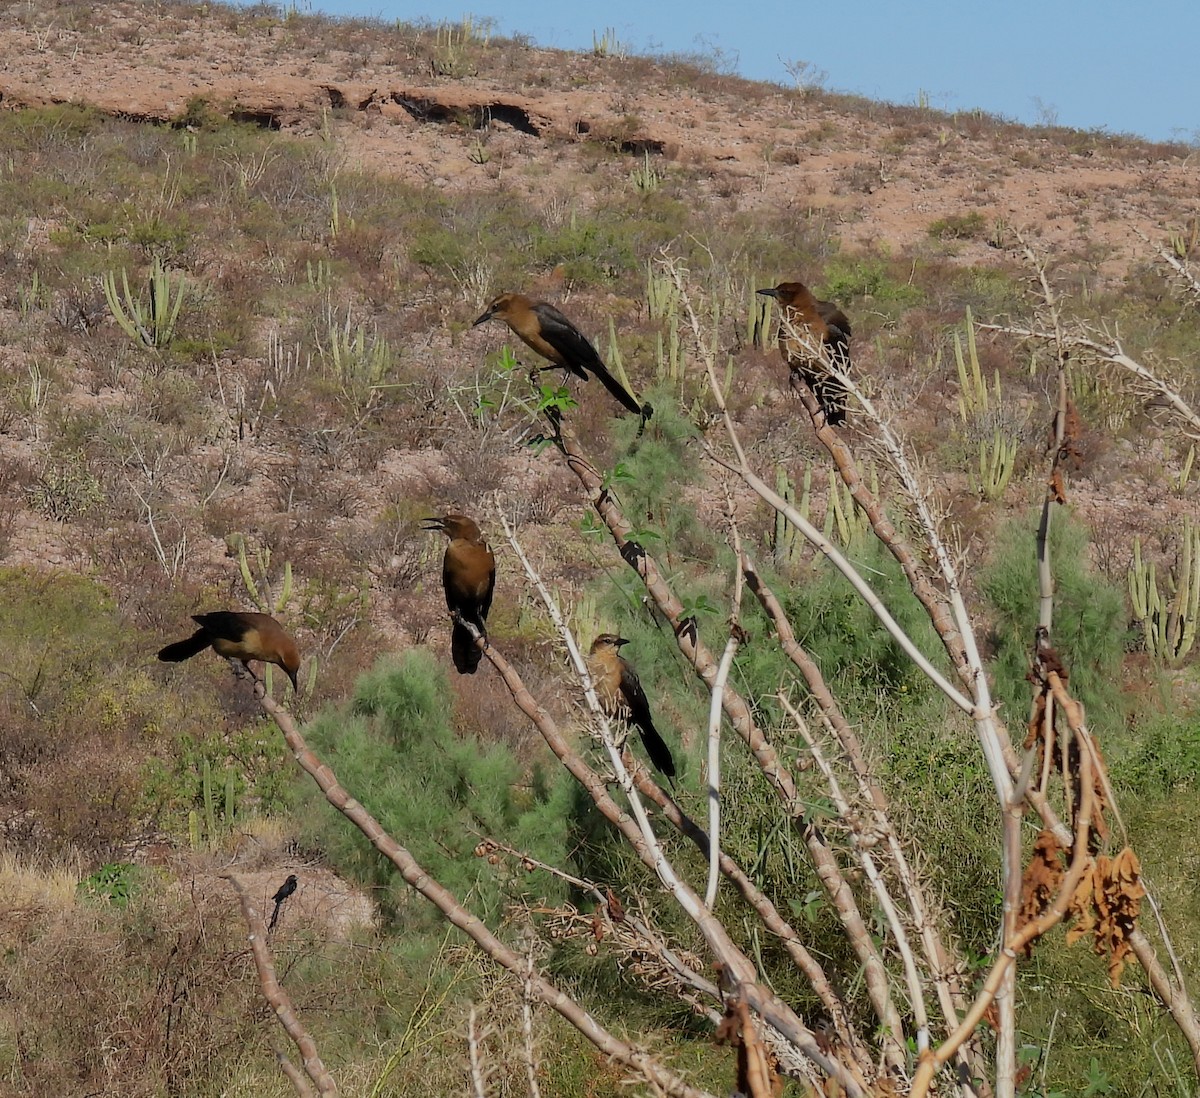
(436, 793)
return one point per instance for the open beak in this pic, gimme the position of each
(772, 292)
(433, 524)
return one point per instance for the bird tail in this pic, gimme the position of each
(659, 752)
(186, 649)
(274, 916)
(623, 395)
(463, 650)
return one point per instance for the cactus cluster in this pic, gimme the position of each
(1168, 616)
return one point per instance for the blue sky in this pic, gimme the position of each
(1093, 64)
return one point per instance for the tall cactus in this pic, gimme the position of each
(1168, 619)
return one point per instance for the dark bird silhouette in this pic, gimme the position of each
(826, 324)
(622, 698)
(541, 326)
(239, 637)
(469, 577)
(285, 890)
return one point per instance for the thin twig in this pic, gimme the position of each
(278, 999)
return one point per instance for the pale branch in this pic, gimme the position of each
(824, 546)
(941, 961)
(420, 881)
(737, 709)
(645, 937)
(763, 1001)
(1115, 354)
(295, 1076)
(960, 645)
(916, 990)
(714, 718)
(479, 1071)
(739, 970)
(1016, 941)
(741, 717)
(531, 1064)
(278, 999)
(771, 919)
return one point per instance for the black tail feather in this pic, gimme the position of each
(463, 649)
(659, 752)
(186, 649)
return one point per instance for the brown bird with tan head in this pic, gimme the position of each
(239, 636)
(622, 698)
(825, 324)
(539, 325)
(468, 577)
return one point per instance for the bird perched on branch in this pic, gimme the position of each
(824, 324)
(239, 636)
(285, 890)
(539, 325)
(622, 698)
(468, 577)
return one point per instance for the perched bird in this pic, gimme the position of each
(622, 697)
(469, 577)
(239, 637)
(826, 324)
(541, 326)
(285, 890)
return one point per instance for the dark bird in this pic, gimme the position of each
(826, 324)
(541, 326)
(622, 698)
(239, 637)
(469, 577)
(285, 890)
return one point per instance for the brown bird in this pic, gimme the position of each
(239, 637)
(622, 698)
(825, 323)
(541, 326)
(469, 577)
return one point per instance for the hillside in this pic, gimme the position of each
(318, 211)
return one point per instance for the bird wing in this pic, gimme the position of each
(227, 624)
(638, 707)
(579, 356)
(577, 352)
(836, 320)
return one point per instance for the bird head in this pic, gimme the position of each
(288, 657)
(498, 308)
(786, 293)
(608, 640)
(454, 526)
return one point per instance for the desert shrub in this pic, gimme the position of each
(436, 792)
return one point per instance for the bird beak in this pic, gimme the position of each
(481, 319)
(433, 524)
(295, 685)
(620, 641)
(772, 292)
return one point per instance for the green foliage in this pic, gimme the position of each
(437, 793)
(1089, 617)
(116, 882)
(847, 279)
(968, 226)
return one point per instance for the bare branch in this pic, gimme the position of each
(278, 999)
(420, 881)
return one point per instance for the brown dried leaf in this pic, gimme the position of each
(1058, 491)
(1042, 879)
